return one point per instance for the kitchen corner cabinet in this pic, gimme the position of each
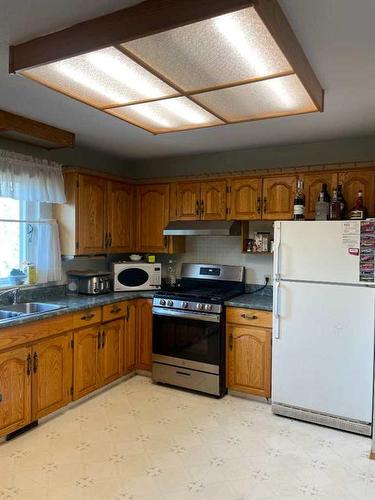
(90, 221)
(200, 200)
(249, 351)
(356, 180)
(144, 334)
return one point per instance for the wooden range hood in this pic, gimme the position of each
(167, 65)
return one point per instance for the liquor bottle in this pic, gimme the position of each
(359, 211)
(334, 207)
(322, 205)
(341, 201)
(299, 202)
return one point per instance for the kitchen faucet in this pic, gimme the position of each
(14, 292)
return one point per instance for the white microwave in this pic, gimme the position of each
(130, 276)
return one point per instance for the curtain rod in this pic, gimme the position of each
(28, 221)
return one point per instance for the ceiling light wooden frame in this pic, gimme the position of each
(157, 16)
(50, 137)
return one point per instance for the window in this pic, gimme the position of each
(17, 244)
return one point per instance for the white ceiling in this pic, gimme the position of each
(338, 37)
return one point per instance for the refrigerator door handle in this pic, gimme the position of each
(277, 251)
(276, 316)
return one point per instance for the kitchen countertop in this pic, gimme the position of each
(252, 301)
(73, 304)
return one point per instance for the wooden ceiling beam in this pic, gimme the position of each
(15, 123)
(146, 18)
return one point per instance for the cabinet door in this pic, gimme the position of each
(246, 199)
(188, 200)
(120, 217)
(111, 351)
(278, 197)
(86, 368)
(355, 180)
(52, 375)
(15, 390)
(152, 217)
(249, 359)
(91, 214)
(130, 345)
(144, 334)
(214, 200)
(313, 185)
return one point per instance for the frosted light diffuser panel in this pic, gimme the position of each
(102, 78)
(225, 49)
(278, 96)
(161, 116)
(221, 70)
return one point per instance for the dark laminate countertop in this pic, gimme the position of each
(73, 304)
(252, 301)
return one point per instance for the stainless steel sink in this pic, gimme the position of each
(28, 308)
(9, 314)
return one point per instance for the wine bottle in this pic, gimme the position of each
(341, 201)
(299, 202)
(359, 211)
(334, 208)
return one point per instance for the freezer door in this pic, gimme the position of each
(317, 251)
(323, 357)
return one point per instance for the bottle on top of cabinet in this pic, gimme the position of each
(322, 206)
(299, 202)
(359, 211)
(337, 206)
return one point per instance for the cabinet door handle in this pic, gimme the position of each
(115, 310)
(29, 364)
(258, 205)
(99, 339)
(230, 341)
(1, 398)
(36, 362)
(202, 207)
(264, 205)
(165, 241)
(109, 239)
(197, 210)
(247, 316)
(127, 313)
(103, 340)
(87, 317)
(106, 240)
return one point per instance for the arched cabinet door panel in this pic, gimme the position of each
(278, 197)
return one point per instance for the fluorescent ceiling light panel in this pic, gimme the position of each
(225, 69)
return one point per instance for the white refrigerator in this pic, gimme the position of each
(323, 325)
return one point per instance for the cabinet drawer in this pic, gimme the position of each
(253, 317)
(87, 317)
(114, 311)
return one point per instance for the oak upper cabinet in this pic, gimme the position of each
(201, 200)
(15, 389)
(91, 215)
(87, 342)
(359, 180)
(152, 216)
(130, 337)
(52, 375)
(246, 198)
(312, 187)
(249, 359)
(111, 356)
(97, 217)
(144, 334)
(120, 202)
(188, 200)
(278, 197)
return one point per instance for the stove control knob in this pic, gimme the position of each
(162, 302)
(200, 307)
(208, 307)
(170, 303)
(185, 305)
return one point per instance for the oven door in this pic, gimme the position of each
(188, 339)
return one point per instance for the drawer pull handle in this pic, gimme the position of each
(87, 317)
(36, 362)
(183, 373)
(115, 310)
(29, 364)
(247, 316)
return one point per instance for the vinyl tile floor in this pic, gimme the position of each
(139, 441)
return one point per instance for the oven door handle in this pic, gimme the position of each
(160, 311)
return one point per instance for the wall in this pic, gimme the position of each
(315, 153)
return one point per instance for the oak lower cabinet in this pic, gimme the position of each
(249, 353)
(15, 389)
(144, 334)
(110, 360)
(52, 375)
(130, 337)
(87, 342)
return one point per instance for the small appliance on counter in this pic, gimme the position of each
(131, 276)
(89, 282)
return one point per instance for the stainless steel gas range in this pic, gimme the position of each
(189, 328)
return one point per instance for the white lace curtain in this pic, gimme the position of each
(24, 177)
